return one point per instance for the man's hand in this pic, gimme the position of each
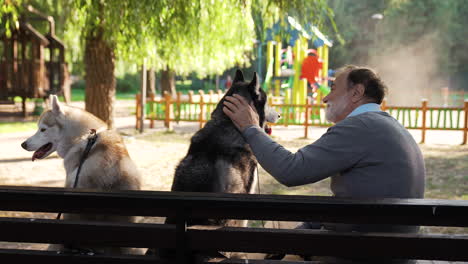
(241, 113)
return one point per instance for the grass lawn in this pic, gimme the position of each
(11, 127)
(79, 95)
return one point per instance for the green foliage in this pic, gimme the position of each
(405, 22)
(78, 94)
(203, 36)
(9, 13)
(127, 86)
(129, 83)
(356, 28)
(267, 13)
(79, 85)
(195, 85)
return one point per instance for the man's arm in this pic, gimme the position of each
(329, 155)
(332, 153)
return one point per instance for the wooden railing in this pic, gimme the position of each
(431, 118)
(197, 108)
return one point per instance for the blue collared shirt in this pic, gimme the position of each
(371, 107)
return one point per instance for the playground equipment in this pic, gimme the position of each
(283, 66)
(32, 65)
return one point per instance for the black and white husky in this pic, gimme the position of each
(219, 159)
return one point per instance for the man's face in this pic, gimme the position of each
(338, 101)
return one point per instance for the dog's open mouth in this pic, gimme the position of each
(268, 129)
(40, 153)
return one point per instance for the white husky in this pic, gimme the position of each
(107, 167)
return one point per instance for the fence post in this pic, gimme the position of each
(423, 128)
(191, 106)
(179, 106)
(190, 96)
(143, 96)
(270, 99)
(307, 109)
(465, 126)
(168, 112)
(383, 106)
(209, 106)
(137, 114)
(211, 93)
(152, 113)
(202, 104)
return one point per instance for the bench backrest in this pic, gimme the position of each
(185, 206)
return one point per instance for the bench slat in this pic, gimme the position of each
(260, 240)
(259, 261)
(51, 257)
(104, 233)
(323, 243)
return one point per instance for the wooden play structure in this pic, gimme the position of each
(284, 64)
(32, 65)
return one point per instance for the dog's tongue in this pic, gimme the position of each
(268, 130)
(38, 154)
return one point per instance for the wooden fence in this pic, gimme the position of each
(198, 108)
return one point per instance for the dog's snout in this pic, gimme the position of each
(279, 116)
(24, 145)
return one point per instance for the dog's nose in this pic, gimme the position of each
(279, 116)
(24, 145)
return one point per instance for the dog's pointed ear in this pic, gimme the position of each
(239, 77)
(254, 84)
(55, 104)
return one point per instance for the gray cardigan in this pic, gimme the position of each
(369, 155)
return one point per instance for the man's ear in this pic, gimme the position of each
(55, 104)
(358, 92)
(239, 77)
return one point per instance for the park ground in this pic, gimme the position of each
(157, 152)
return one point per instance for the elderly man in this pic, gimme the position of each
(367, 153)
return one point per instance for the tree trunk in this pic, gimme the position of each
(151, 83)
(168, 81)
(100, 79)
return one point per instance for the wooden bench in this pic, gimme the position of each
(185, 239)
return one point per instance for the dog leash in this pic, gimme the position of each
(259, 191)
(91, 140)
(275, 223)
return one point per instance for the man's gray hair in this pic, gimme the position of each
(375, 88)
